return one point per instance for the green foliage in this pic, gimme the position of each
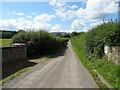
(66, 35)
(108, 69)
(75, 33)
(40, 42)
(90, 46)
(21, 31)
(7, 34)
(104, 34)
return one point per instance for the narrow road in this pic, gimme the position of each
(64, 71)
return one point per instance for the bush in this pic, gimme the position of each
(104, 34)
(39, 42)
(76, 34)
(7, 34)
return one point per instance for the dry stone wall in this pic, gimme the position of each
(113, 53)
(14, 53)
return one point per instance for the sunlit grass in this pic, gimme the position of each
(5, 42)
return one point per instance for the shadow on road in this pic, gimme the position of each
(61, 53)
(12, 67)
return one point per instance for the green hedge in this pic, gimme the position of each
(90, 48)
(104, 34)
(39, 42)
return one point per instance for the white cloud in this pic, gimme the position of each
(111, 8)
(97, 10)
(94, 10)
(92, 13)
(61, 13)
(40, 25)
(29, 16)
(53, 2)
(97, 23)
(74, 7)
(70, 14)
(15, 24)
(61, 9)
(20, 14)
(65, 14)
(77, 25)
(43, 18)
(8, 24)
(22, 23)
(39, 22)
(57, 4)
(56, 28)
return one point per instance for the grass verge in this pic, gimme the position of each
(5, 80)
(106, 68)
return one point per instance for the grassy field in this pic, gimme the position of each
(5, 42)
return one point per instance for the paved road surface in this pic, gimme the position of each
(64, 71)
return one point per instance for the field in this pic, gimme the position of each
(5, 42)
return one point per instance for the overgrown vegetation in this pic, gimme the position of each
(90, 49)
(40, 42)
(104, 34)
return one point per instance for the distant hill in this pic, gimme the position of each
(59, 33)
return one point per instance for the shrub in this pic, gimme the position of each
(7, 34)
(39, 42)
(101, 35)
(76, 34)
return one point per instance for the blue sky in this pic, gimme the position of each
(56, 16)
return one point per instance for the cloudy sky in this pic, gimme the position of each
(55, 16)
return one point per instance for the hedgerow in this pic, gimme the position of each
(107, 33)
(90, 48)
(39, 42)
